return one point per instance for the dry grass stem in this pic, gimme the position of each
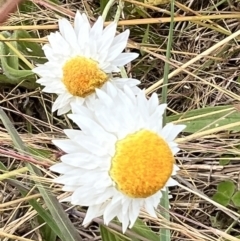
(203, 92)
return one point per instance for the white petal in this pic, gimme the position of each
(91, 127)
(171, 182)
(68, 33)
(175, 169)
(111, 211)
(93, 212)
(67, 146)
(62, 101)
(153, 103)
(90, 101)
(134, 210)
(69, 188)
(78, 22)
(83, 37)
(93, 146)
(97, 29)
(142, 105)
(125, 223)
(74, 135)
(118, 45)
(128, 82)
(104, 97)
(81, 159)
(58, 44)
(124, 58)
(61, 168)
(76, 105)
(84, 196)
(150, 208)
(170, 131)
(107, 38)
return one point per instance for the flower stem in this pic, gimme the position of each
(107, 8)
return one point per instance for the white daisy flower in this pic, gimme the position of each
(82, 58)
(121, 159)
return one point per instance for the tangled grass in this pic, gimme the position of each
(203, 92)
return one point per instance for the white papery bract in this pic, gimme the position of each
(121, 159)
(82, 58)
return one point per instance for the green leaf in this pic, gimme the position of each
(12, 59)
(47, 232)
(143, 230)
(226, 188)
(11, 73)
(164, 202)
(224, 160)
(139, 230)
(145, 39)
(14, 69)
(103, 4)
(236, 199)
(29, 84)
(221, 198)
(208, 118)
(2, 167)
(32, 49)
(108, 234)
(9, 67)
(45, 215)
(39, 152)
(220, 220)
(10, 56)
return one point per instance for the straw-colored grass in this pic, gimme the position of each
(204, 72)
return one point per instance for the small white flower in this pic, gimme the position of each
(121, 159)
(82, 58)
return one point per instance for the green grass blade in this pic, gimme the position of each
(144, 231)
(165, 233)
(110, 235)
(46, 231)
(208, 118)
(43, 214)
(67, 231)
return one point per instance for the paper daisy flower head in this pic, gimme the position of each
(82, 58)
(121, 159)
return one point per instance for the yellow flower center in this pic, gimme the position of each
(142, 164)
(82, 76)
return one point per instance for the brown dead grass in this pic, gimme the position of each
(210, 81)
